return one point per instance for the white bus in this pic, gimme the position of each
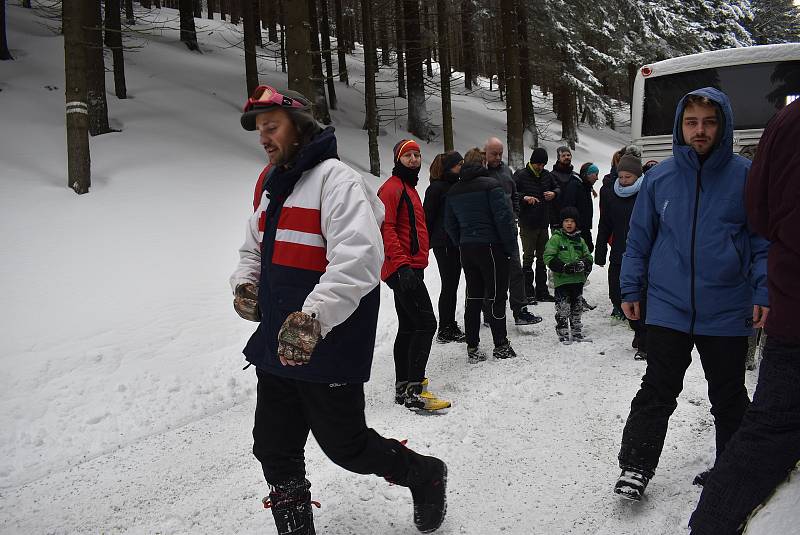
(759, 80)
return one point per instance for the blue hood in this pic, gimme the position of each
(723, 147)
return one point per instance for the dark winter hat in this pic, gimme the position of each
(562, 149)
(570, 212)
(631, 164)
(265, 97)
(539, 155)
(451, 160)
(405, 145)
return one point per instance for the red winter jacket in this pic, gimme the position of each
(400, 247)
(771, 197)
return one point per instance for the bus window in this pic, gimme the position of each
(756, 92)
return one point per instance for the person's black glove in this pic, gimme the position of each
(587, 267)
(408, 280)
(245, 301)
(574, 267)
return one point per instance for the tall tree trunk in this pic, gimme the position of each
(146, 4)
(528, 116)
(210, 6)
(467, 16)
(96, 70)
(26, 4)
(321, 112)
(341, 43)
(4, 52)
(197, 8)
(426, 39)
(255, 6)
(282, 21)
(236, 11)
(298, 41)
(270, 16)
(568, 115)
(114, 42)
(401, 46)
(384, 37)
(444, 73)
(515, 144)
(370, 67)
(188, 33)
(326, 45)
(78, 162)
(250, 27)
(130, 20)
(222, 8)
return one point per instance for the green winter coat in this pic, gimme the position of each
(562, 249)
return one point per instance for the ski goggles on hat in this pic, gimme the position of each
(264, 96)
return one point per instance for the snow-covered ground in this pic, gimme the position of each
(123, 406)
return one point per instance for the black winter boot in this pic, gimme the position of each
(427, 479)
(291, 507)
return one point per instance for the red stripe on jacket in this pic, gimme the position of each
(300, 219)
(299, 255)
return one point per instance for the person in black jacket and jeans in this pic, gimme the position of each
(537, 190)
(618, 199)
(443, 174)
(479, 219)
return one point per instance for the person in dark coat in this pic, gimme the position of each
(704, 271)
(443, 174)
(618, 200)
(767, 445)
(537, 190)
(517, 297)
(588, 174)
(569, 184)
(479, 219)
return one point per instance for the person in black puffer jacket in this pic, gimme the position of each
(443, 174)
(569, 183)
(479, 219)
(537, 190)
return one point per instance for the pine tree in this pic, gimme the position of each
(774, 21)
(4, 52)
(78, 163)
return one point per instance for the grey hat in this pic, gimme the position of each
(631, 164)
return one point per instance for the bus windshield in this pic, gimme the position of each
(756, 92)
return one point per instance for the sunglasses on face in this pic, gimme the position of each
(265, 95)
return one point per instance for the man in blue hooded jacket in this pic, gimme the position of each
(704, 272)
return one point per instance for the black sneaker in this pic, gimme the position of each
(428, 483)
(475, 355)
(701, 478)
(523, 317)
(531, 301)
(587, 306)
(450, 333)
(545, 298)
(504, 351)
(631, 484)
(291, 508)
(640, 355)
(400, 392)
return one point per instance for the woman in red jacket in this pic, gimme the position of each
(405, 242)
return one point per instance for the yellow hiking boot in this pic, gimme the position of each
(420, 399)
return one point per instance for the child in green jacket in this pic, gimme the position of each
(567, 255)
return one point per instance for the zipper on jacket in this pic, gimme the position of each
(697, 189)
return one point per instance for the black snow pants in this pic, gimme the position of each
(287, 409)
(669, 355)
(762, 452)
(486, 273)
(448, 260)
(416, 327)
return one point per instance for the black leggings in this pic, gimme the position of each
(416, 326)
(486, 273)
(448, 260)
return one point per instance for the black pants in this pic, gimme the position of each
(287, 409)
(534, 241)
(448, 260)
(762, 452)
(569, 307)
(416, 326)
(668, 358)
(587, 237)
(486, 273)
(613, 284)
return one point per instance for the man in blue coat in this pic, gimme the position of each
(705, 277)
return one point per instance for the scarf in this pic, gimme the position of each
(628, 191)
(409, 176)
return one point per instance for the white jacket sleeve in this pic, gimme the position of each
(350, 222)
(249, 268)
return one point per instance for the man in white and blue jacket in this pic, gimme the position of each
(704, 271)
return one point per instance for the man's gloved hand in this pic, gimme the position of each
(587, 266)
(407, 278)
(297, 338)
(245, 301)
(574, 267)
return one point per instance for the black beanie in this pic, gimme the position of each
(570, 212)
(451, 160)
(539, 155)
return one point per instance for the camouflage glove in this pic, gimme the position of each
(298, 337)
(574, 267)
(245, 301)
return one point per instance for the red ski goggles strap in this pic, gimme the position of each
(265, 95)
